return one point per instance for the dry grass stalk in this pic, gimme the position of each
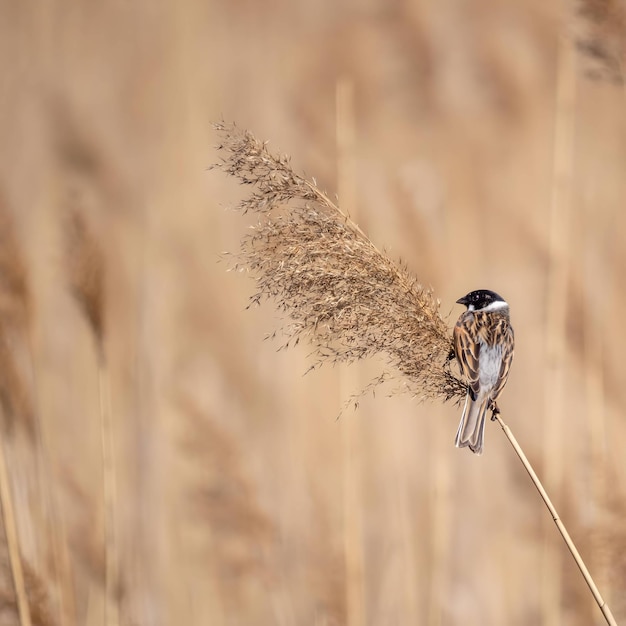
(109, 496)
(611, 540)
(19, 405)
(15, 311)
(85, 531)
(604, 607)
(556, 315)
(597, 429)
(349, 299)
(442, 522)
(13, 544)
(349, 377)
(86, 273)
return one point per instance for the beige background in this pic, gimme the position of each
(241, 499)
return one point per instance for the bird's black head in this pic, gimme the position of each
(481, 299)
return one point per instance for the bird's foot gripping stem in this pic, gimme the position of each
(495, 411)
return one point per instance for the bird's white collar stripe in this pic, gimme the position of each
(496, 305)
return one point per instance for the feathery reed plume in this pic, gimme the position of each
(85, 266)
(344, 295)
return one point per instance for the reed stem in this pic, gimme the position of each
(604, 607)
(348, 378)
(109, 495)
(10, 529)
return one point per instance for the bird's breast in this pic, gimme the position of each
(489, 364)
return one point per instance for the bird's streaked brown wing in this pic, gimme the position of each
(506, 338)
(467, 352)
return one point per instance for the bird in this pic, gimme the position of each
(483, 342)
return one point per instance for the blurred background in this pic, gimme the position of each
(482, 143)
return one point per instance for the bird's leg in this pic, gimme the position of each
(495, 411)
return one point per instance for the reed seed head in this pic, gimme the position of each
(341, 293)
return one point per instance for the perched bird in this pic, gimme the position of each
(483, 345)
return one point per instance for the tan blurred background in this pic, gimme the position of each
(483, 156)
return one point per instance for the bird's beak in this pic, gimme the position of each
(462, 300)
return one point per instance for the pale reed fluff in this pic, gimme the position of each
(349, 299)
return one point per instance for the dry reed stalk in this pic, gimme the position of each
(596, 425)
(86, 266)
(441, 524)
(16, 311)
(352, 301)
(109, 496)
(556, 316)
(441, 504)
(604, 607)
(411, 567)
(10, 528)
(611, 540)
(603, 43)
(85, 530)
(349, 379)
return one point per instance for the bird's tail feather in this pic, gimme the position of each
(472, 427)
